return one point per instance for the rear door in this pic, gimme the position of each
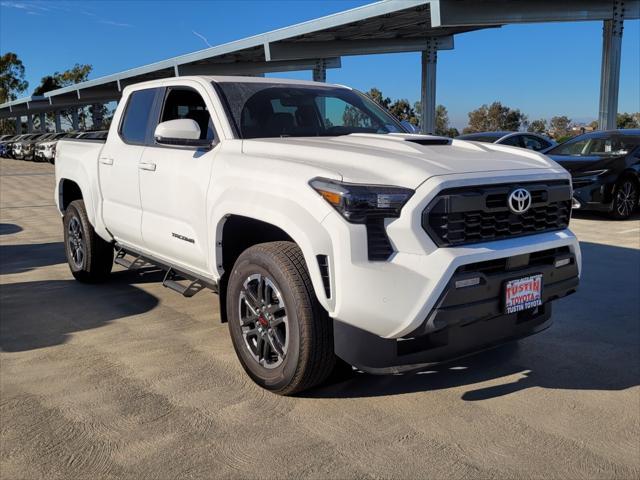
(118, 169)
(174, 184)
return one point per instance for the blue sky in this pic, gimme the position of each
(542, 69)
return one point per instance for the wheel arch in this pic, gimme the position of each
(241, 228)
(68, 191)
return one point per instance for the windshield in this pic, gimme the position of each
(600, 145)
(268, 110)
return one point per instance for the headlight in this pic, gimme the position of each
(357, 202)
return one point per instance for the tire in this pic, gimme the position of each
(90, 258)
(625, 198)
(296, 330)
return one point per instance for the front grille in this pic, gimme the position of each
(461, 216)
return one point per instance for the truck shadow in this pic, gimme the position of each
(46, 313)
(9, 228)
(26, 257)
(594, 344)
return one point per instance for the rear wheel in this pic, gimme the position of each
(90, 258)
(625, 199)
(281, 334)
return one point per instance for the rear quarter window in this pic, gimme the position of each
(133, 128)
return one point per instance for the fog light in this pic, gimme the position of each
(468, 282)
(563, 262)
(575, 203)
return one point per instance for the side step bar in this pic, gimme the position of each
(179, 280)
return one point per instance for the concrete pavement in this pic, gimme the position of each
(130, 380)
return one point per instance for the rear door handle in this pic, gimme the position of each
(147, 166)
(106, 160)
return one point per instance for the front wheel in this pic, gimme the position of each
(625, 199)
(90, 258)
(281, 334)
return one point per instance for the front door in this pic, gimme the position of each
(173, 187)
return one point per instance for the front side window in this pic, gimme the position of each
(136, 116)
(600, 145)
(267, 110)
(534, 143)
(514, 141)
(187, 103)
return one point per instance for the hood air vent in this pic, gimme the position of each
(430, 141)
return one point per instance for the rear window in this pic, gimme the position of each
(136, 117)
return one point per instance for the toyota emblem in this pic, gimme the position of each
(519, 201)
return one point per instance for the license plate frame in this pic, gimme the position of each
(522, 293)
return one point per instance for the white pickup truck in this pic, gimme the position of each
(328, 231)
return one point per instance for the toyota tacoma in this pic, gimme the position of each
(331, 234)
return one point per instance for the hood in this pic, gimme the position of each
(578, 163)
(397, 159)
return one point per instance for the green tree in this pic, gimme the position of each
(402, 110)
(495, 117)
(593, 125)
(537, 126)
(560, 126)
(442, 123)
(377, 96)
(12, 84)
(628, 120)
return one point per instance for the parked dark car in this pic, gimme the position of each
(605, 167)
(4, 142)
(531, 141)
(9, 153)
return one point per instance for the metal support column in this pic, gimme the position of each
(610, 68)
(57, 121)
(96, 116)
(18, 125)
(43, 122)
(29, 123)
(74, 119)
(428, 87)
(320, 71)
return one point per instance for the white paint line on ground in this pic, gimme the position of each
(637, 229)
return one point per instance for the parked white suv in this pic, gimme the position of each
(327, 230)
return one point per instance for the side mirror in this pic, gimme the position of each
(409, 127)
(181, 132)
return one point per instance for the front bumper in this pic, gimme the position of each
(465, 319)
(593, 193)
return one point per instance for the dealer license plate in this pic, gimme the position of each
(523, 294)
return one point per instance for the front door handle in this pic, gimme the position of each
(106, 160)
(147, 166)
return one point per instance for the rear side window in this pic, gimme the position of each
(136, 117)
